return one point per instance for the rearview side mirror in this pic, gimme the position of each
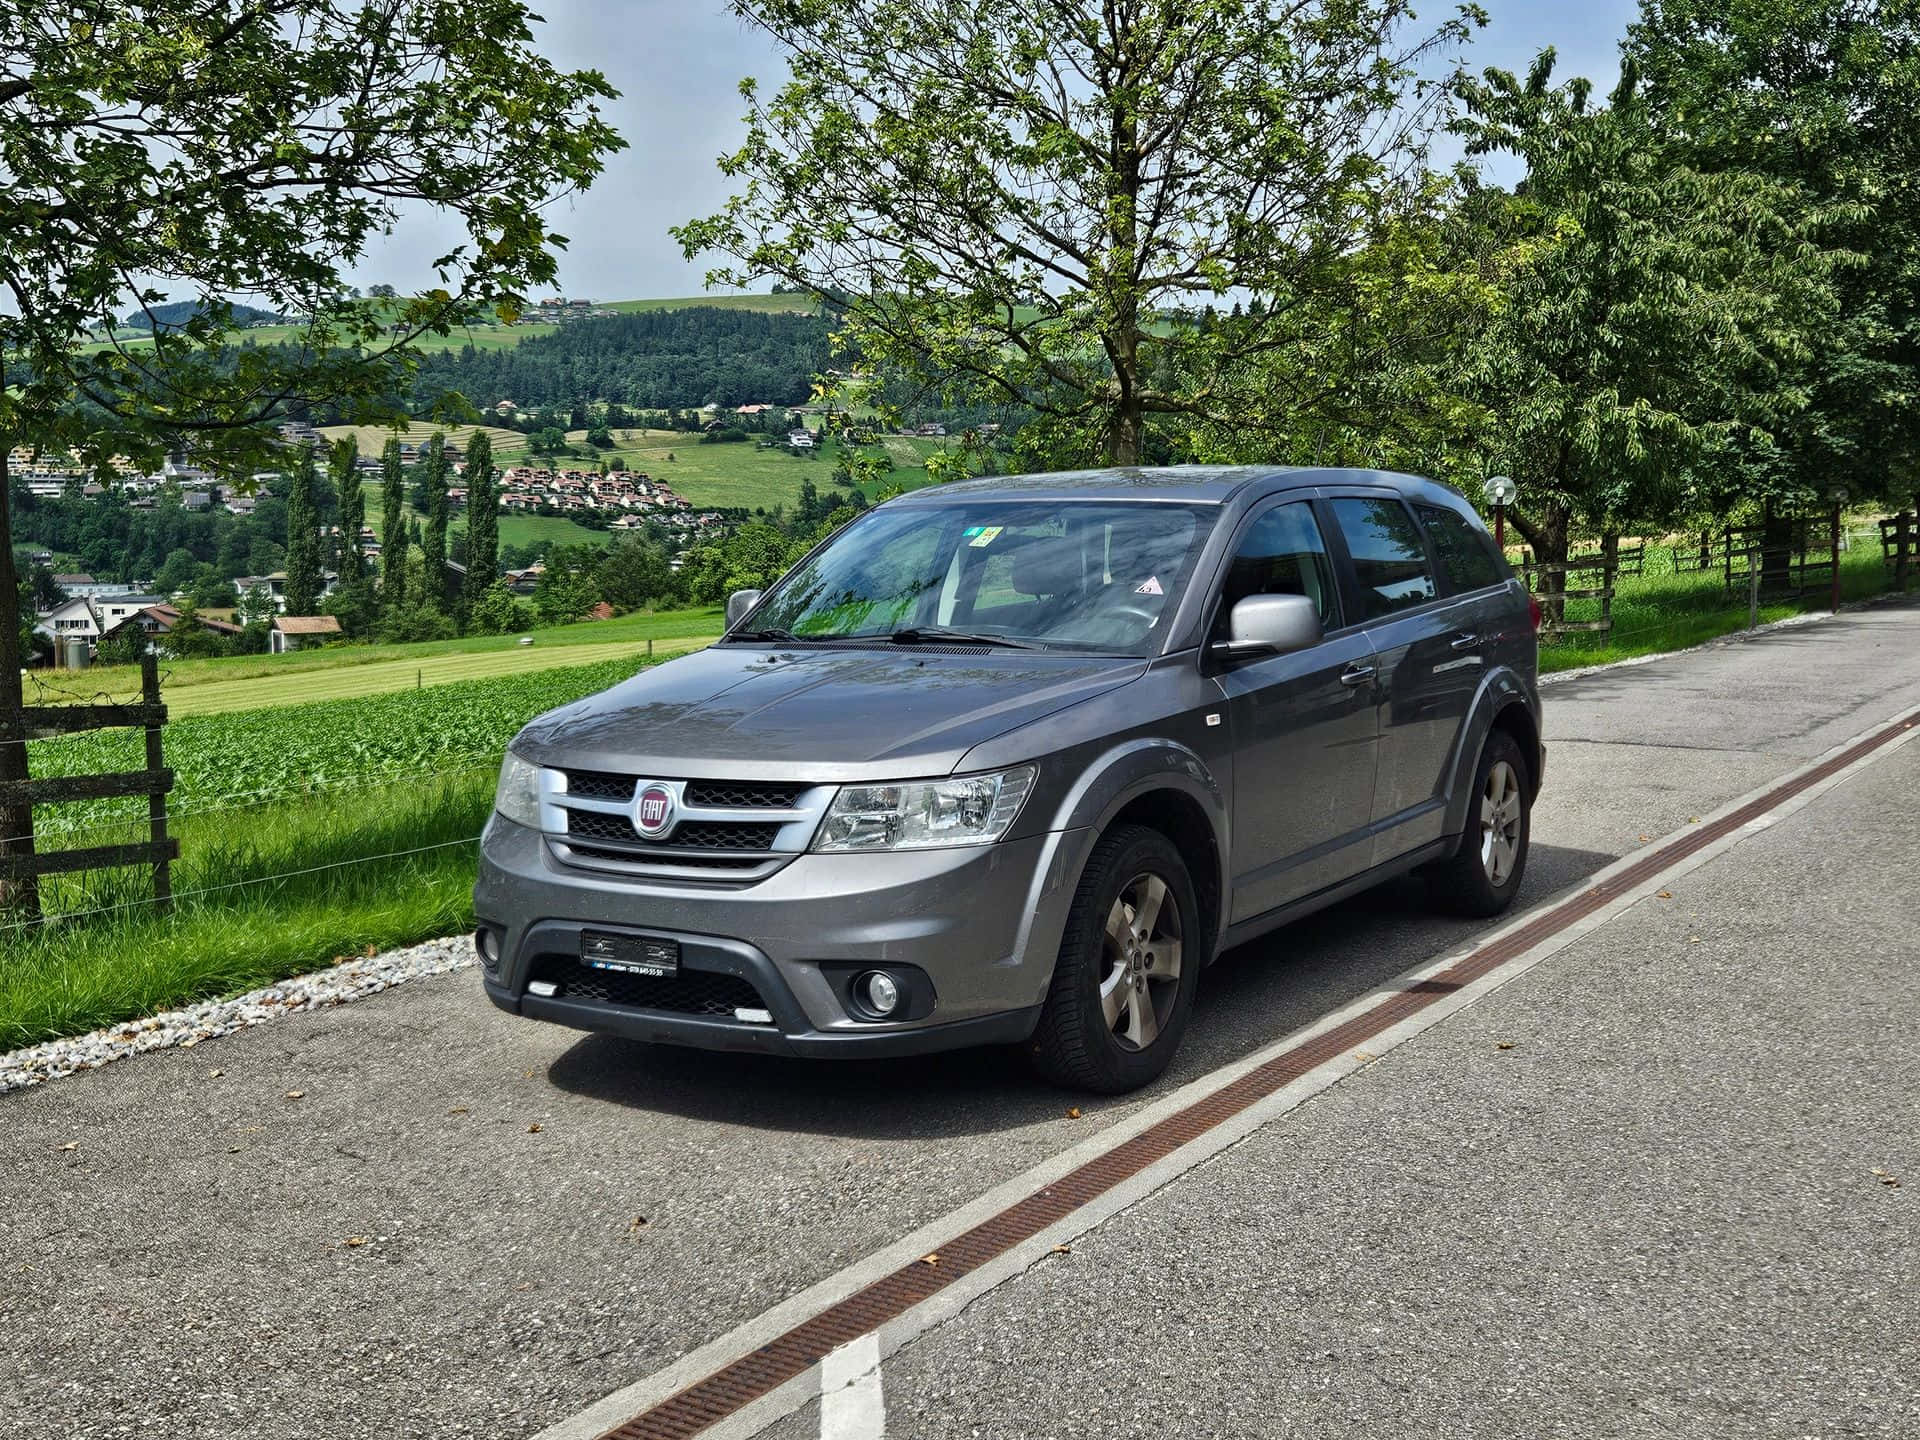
(739, 604)
(1270, 625)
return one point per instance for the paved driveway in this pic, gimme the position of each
(547, 1217)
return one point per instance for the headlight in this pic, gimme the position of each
(518, 794)
(920, 814)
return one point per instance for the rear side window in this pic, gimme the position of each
(1281, 554)
(1466, 551)
(1389, 557)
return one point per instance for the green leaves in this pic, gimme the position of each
(1025, 205)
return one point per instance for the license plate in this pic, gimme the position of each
(630, 954)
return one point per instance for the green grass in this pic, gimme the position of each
(499, 337)
(1663, 610)
(305, 835)
(742, 474)
(508, 445)
(210, 687)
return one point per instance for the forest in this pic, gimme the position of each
(648, 360)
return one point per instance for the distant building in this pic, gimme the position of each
(297, 632)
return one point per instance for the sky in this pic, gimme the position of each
(678, 63)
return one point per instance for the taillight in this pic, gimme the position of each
(1537, 614)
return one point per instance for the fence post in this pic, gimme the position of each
(649, 647)
(156, 801)
(1903, 538)
(1835, 605)
(1753, 589)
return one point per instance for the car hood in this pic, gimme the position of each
(825, 714)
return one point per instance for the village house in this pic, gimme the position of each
(298, 632)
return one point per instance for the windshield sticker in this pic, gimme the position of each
(1149, 586)
(984, 535)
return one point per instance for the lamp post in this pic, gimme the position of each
(1501, 492)
(1838, 495)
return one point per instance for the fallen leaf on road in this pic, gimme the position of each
(296, 1094)
(1693, 819)
(1362, 1056)
(1063, 1249)
(354, 1242)
(638, 1222)
(1645, 838)
(534, 1129)
(1073, 1113)
(233, 1149)
(1664, 895)
(933, 1259)
(75, 1145)
(459, 1110)
(215, 1073)
(1503, 1045)
(1694, 940)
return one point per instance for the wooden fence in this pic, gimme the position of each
(39, 722)
(1556, 625)
(1900, 546)
(1794, 558)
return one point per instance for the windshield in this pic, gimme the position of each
(1077, 575)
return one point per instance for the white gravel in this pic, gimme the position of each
(352, 979)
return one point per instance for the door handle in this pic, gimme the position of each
(1356, 675)
(1465, 642)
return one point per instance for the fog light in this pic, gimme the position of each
(488, 944)
(879, 990)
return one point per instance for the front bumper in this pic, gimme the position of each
(982, 924)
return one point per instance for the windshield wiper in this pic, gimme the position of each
(934, 635)
(781, 637)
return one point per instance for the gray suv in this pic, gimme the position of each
(1009, 761)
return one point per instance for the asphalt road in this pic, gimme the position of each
(547, 1217)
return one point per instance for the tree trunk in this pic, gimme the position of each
(1549, 532)
(1777, 540)
(16, 821)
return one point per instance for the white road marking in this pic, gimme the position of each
(784, 1400)
(851, 1404)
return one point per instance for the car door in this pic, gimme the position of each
(1302, 726)
(1416, 634)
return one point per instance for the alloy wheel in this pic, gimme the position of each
(1500, 814)
(1142, 954)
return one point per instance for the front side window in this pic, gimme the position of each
(1082, 575)
(1389, 557)
(1466, 552)
(1281, 554)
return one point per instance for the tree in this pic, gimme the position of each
(566, 589)
(256, 607)
(303, 539)
(393, 526)
(433, 537)
(483, 518)
(1010, 201)
(549, 440)
(252, 151)
(344, 465)
(1651, 315)
(634, 572)
(1824, 96)
(498, 611)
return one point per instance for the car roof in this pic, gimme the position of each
(1201, 484)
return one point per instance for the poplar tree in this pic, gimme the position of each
(303, 539)
(433, 538)
(393, 526)
(345, 466)
(483, 518)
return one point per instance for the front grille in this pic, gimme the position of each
(722, 835)
(704, 862)
(599, 785)
(742, 794)
(691, 992)
(688, 835)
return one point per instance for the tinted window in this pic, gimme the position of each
(1389, 557)
(1281, 554)
(1466, 551)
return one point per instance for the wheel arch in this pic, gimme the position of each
(1166, 787)
(1505, 702)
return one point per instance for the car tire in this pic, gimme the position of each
(1124, 982)
(1484, 874)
